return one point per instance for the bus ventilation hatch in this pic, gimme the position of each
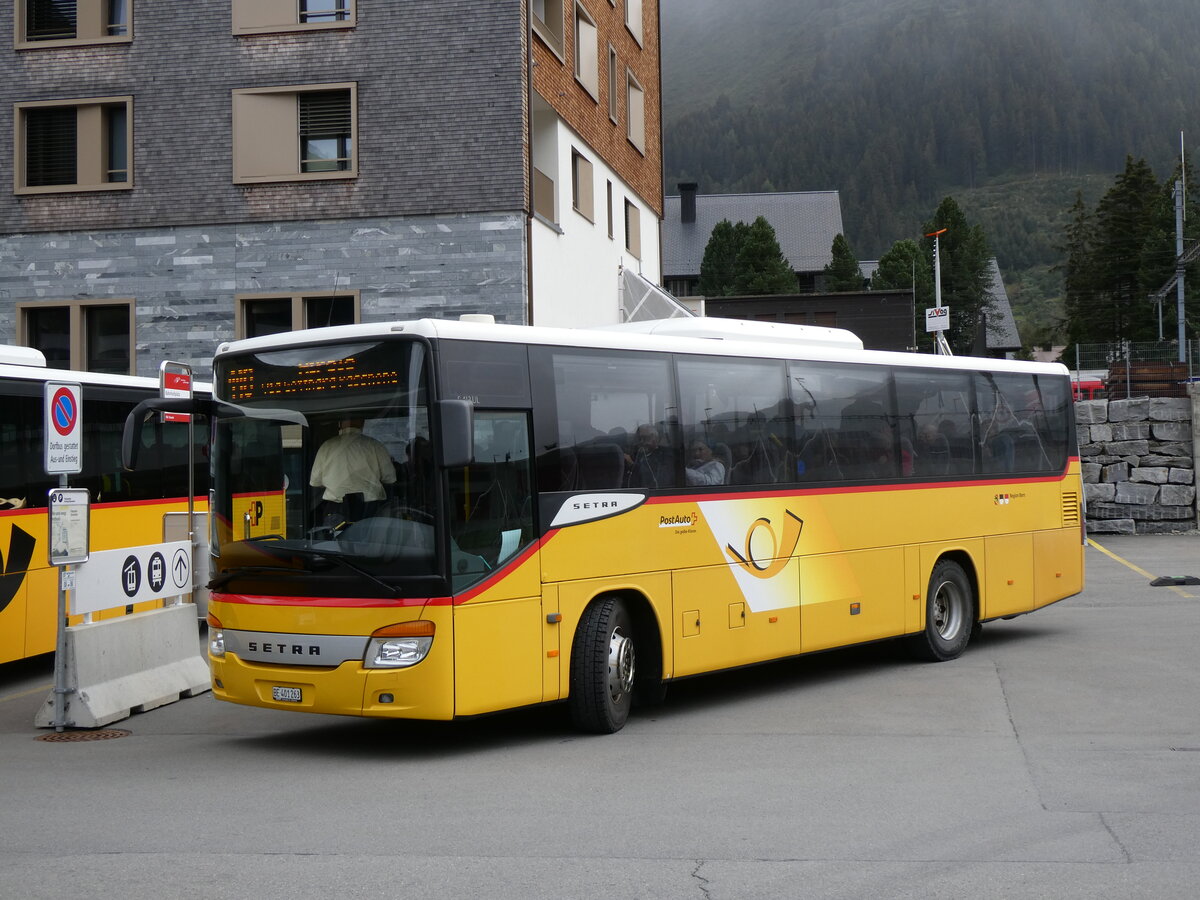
(1070, 509)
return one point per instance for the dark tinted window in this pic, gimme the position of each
(846, 423)
(494, 375)
(934, 422)
(737, 421)
(1023, 422)
(614, 424)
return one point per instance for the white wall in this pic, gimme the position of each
(575, 277)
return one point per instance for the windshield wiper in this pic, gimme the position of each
(338, 556)
(225, 577)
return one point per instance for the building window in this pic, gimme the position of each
(613, 83)
(581, 186)
(633, 18)
(42, 23)
(73, 145)
(294, 134)
(587, 52)
(633, 229)
(608, 186)
(271, 314)
(88, 335)
(548, 22)
(312, 11)
(325, 131)
(265, 16)
(635, 112)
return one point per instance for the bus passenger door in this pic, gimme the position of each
(495, 570)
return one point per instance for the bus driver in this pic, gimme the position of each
(350, 464)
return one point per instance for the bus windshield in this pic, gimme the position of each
(322, 463)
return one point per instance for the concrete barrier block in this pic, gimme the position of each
(135, 663)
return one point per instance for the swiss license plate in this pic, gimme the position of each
(288, 694)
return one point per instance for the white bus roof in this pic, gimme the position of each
(714, 328)
(637, 338)
(12, 355)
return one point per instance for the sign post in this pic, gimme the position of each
(69, 513)
(943, 346)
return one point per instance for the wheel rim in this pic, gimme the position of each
(620, 665)
(948, 610)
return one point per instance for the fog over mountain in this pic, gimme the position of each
(897, 103)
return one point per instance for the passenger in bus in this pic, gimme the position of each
(354, 470)
(703, 468)
(648, 464)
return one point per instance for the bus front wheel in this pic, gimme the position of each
(949, 614)
(602, 667)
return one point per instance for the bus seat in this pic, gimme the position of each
(601, 465)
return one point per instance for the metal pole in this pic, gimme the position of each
(60, 648)
(1179, 267)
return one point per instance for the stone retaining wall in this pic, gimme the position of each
(1139, 463)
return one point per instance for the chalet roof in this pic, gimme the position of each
(1002, 331)
(805, 223)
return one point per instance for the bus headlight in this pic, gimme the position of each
(216, 637)
(399, 646)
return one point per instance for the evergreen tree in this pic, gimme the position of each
(718, 268)
(843, 272)
(761, 265)
(1124, 221)
(1118, 255)
(1078, 274)
(744, 260)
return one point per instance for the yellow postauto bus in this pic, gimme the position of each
(587, 515)
(127, 508)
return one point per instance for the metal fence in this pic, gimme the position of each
(1138, 369)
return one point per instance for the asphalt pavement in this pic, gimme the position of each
(1059, 757)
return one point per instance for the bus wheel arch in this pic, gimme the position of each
(951, 609)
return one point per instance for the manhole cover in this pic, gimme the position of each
(74, 737)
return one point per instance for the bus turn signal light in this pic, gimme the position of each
(419, 628)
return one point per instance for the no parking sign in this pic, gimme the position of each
(64, 428)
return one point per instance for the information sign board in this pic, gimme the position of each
(937, 318)
(69, 520)
(64, 428)
(113, 578)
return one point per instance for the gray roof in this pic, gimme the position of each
(1002, 331)
(805, 223)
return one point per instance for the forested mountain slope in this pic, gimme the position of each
(897, 103)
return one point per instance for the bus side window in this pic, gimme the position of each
(934, 418)
(615, 423)
(738, 411)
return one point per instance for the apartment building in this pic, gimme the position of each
(180, 177)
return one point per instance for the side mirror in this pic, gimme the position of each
(131, 436)
(456, 430)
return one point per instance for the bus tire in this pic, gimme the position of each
(949, 614)
(603, 667)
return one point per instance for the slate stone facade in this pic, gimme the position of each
(1139, 463)
(184, 280)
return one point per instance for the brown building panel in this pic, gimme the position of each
(554, 79)
(883, 320)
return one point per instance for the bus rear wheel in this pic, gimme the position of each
(949, 614)
(603, 667)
